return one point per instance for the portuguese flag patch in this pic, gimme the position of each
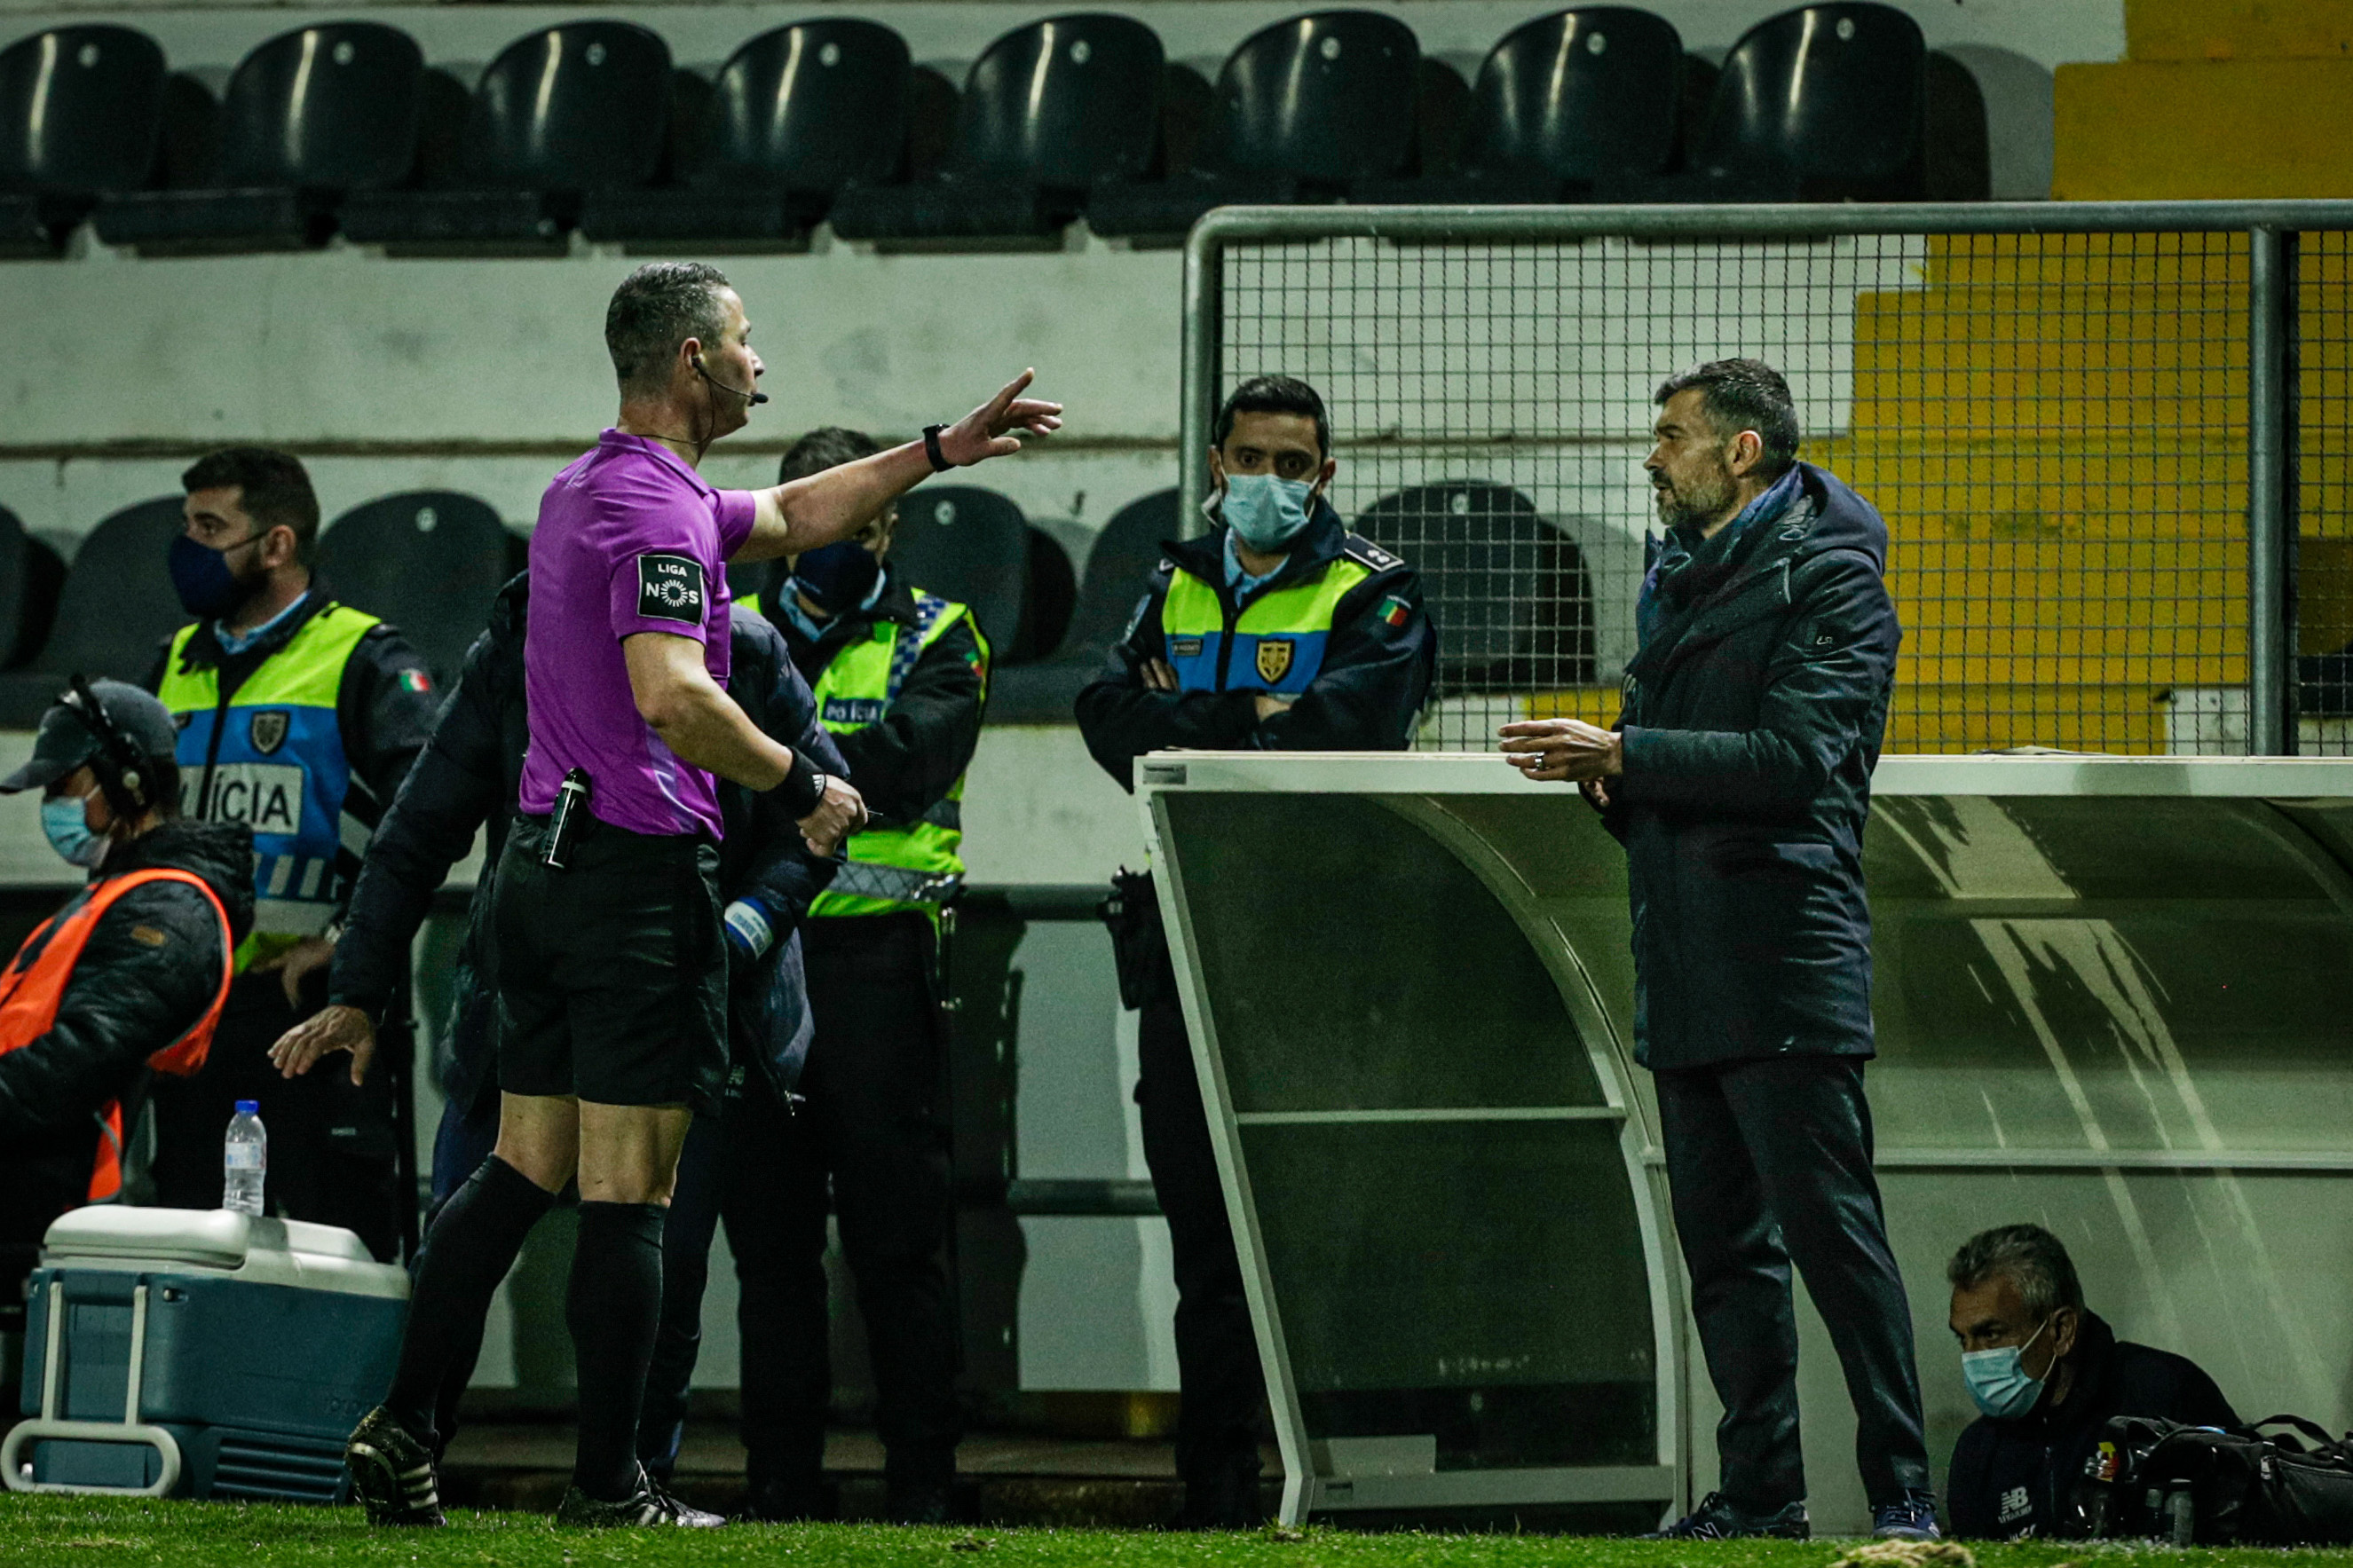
(415, 681)
(1395, 611)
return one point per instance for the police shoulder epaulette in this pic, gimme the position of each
(1365, 553)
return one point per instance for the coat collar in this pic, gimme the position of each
(203, 649)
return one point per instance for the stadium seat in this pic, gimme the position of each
(795, 114)
(1825, 102)
(969, 545)
(309, 115)
(1564, 101)
(1048, 110)
(114, 611)
(81, 110)
(1304, 109)
(1510, 593)
(1122, 557)
(579, 107)
(429, 561)
(30, 576)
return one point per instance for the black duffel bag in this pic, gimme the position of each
(2208, 1486)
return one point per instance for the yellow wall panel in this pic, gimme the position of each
(2237, 29)
(2156, 130)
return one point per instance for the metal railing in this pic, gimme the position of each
(2107, 438)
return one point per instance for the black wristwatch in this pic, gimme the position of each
(940, 464)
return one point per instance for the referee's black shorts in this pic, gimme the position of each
(612, 972)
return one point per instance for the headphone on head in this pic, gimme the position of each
(122, 767)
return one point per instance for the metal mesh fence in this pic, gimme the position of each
(2054, 427)
(2322, 442)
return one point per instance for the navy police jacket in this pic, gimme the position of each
(1339, 631)
(466, 779)
(1752, 719)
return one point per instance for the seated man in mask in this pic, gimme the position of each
(2048, 1375)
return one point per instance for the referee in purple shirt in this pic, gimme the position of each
(611, 968)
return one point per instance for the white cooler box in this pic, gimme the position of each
(196, 1352)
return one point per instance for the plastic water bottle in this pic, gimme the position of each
(245, 1160)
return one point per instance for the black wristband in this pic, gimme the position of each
(803, 787)
(940, 464)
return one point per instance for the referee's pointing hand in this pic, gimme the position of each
(986, 431)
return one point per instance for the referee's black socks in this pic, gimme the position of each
(613, 1305)
(472, 1244)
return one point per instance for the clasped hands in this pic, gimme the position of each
(1566, 751)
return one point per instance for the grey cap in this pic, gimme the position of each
(67, 741)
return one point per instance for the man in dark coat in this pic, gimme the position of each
(2048, 1373)
(1738, 778)
(465, 780)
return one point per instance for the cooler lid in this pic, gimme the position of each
(211, 1238)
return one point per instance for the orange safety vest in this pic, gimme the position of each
(35, 982)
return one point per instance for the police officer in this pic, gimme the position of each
(297, 716)
(133, 972)
(1280, 631)
(460, 786)
(900, 676)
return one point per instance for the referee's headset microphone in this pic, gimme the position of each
(752, 396)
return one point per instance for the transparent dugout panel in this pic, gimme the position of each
(1480, 1281)
(2072, 975)
(1352, 962)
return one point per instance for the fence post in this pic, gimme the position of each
(2268, 666)
(1204, 326)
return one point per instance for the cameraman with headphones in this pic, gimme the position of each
(132, 974)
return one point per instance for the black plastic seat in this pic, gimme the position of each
(579, 107)
(968, 544)
(310, 116)
(794, 115)
(81, 110)
(1118, 563)
(1048, 110)
(30, 576)
(114, 611)
(1509, 591)
(1826, 102)
(1563, 102)
(1305, 109)
(429, 561)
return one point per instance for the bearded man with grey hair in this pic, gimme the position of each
(1738, 778)
(2048, 1373)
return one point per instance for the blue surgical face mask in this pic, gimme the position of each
(838, 576)
(1998, 1383)
(65, 822)
(1264, 511)
(208, 589)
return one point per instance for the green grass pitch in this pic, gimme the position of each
(71, 1531)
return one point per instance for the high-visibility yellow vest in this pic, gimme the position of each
(272, 758)
(890, 866)
(1276, 645)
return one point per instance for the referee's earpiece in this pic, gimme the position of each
(753, 395)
